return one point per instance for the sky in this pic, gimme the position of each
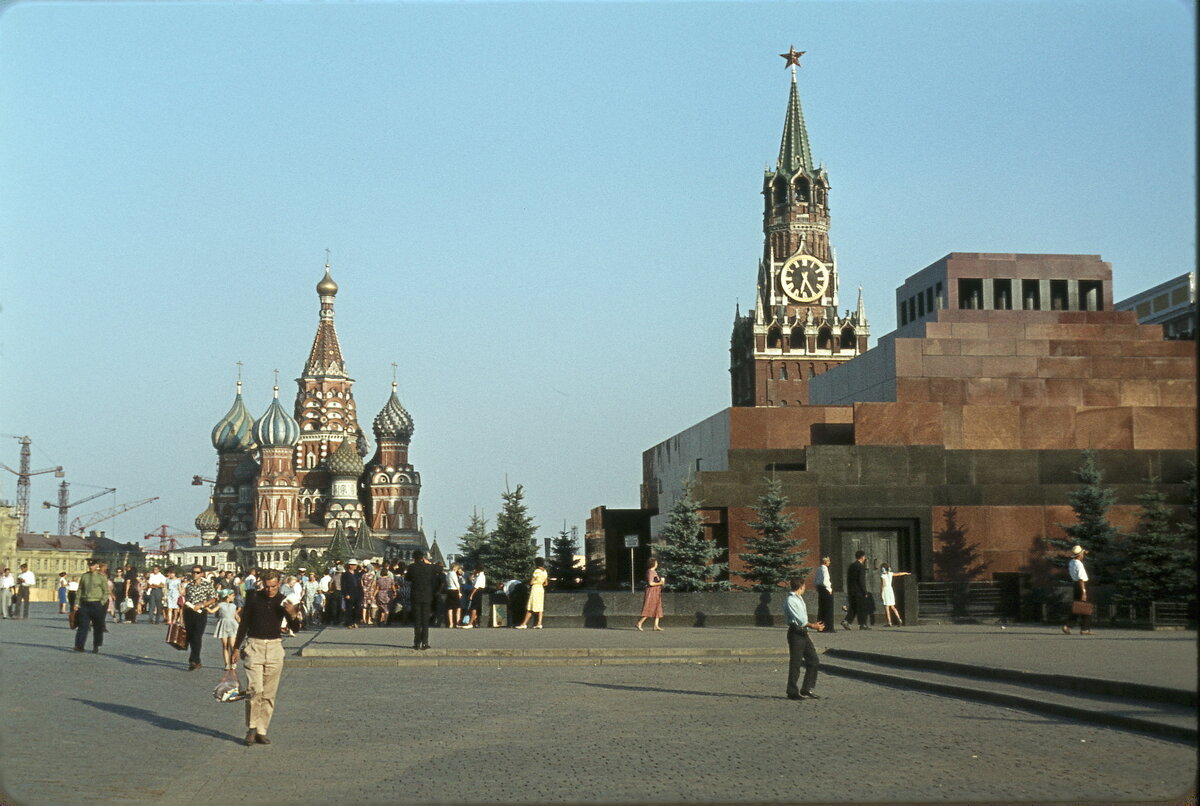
(544, 214)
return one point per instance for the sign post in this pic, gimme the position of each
(631, 543)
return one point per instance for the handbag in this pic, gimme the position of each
(73, 619)
(177, 635)
(1082, 608)
(229, 689)
(126, 604)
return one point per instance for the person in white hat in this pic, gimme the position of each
(1079, 579)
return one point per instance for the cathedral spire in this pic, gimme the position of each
(794, 152)
(325, 358)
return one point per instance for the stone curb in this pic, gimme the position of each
(1169, 731)
(1085, 685)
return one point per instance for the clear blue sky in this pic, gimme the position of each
(543, 213)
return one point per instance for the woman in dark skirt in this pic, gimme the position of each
(652, 602)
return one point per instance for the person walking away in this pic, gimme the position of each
(226, 628)
(171, 599)
(73, 592)
(420, 575)
(333, 602)
(261, 650)
(25, 585)
(369, 581)
(537, 595)
(156, 584)
(61, 585)
(385, 593)
(198, 597)
(403, 593)
(801, 651)
(856, 591)
(453, 590)
(1079, 581)
(652, 598)
(129, 596)
(8, 584)
(351, 594)
(887, 595)
(93, 604)
(823, 582)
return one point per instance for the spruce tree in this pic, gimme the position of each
(472, 546)
(510, 550)
(954, 559)
(774, 556)
(1158, 563)
(688, 560)
(563, 549)
(1091, 530)
(339, 549)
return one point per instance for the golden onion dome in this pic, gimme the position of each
(327, 287)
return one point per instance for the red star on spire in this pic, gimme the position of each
(792, 56)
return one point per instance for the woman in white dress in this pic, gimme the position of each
(886, 574)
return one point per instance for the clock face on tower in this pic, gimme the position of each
(804, 278)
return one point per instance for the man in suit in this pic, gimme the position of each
(423, 577)
(824, 585)
(351, 593)
(856, 591)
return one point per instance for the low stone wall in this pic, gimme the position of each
(602, 609)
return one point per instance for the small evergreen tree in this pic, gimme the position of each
(472, 546)
(339, 549)
(563, 549)
(689, 561)
(774, 556)
(954, 559)
(1158, 563)
(1091, 530)
(510, 549)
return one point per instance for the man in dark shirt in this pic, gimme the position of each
(258, 640)
(856, 591)
(423, 577)
(351, 593)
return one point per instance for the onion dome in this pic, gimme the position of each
(232, 433)
(345, 460)
(327, 287)
(276, 428)
(208, 521)
(393, 422)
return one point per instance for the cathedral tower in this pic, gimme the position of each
(794, 331)
(394, 485)
(276, 510)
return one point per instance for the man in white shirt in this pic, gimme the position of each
(155, 584)
(25, 583)
(1079, 580)
(823, 582)
(7, 583)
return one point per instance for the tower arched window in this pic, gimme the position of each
(797, 338)
(783, 372)
(802, 189)
(812, 370)
(774, 338)
(848, 339)
(825, 338)
(780, 192)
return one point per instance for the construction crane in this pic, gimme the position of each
(198, 480)
(62, 506)
(23, 481)
(168, 542)
(81, 524)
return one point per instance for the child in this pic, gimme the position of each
(228, 616)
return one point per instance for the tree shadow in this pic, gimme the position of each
(155, 719)
(658, 690)
(955, 559)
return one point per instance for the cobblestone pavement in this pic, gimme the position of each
(131, 724)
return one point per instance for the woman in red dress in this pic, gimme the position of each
(652, 603)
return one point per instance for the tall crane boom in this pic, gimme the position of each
(23, 482)
(62, 506)
(81, 524)
(168, 542)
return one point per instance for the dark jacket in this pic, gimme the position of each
(424, 578)
(351, 586)
(856, 579)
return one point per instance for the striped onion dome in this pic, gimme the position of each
(208, 521)
(276, 428)
(345, 460)
(393, 422)
(232, 433)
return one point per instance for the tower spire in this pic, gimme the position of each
(325, 358)
(794, 151)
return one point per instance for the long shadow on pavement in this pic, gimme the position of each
(136, 660)
(656, 689)
(157, 720)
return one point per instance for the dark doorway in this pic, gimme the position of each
(888, 542)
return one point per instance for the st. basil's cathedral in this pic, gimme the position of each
(288, 484)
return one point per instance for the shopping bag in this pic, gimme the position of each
(230, 688)
(177, 635)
